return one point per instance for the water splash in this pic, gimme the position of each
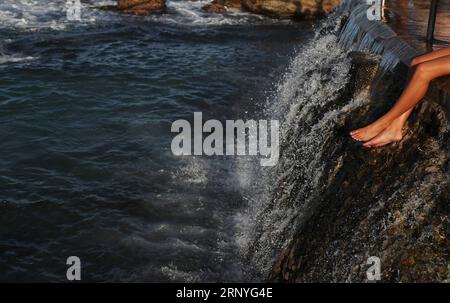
(305, 104)
(311, 102)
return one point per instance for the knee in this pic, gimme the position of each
(423, 71)
(414, 62)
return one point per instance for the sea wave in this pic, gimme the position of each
(33, 15)
(190, 12)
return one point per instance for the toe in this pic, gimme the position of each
(381, 144)
(369, 144)
(372, 142)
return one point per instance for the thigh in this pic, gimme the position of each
(435, 68)
(431, 56)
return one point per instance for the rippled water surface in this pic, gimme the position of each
(85, 162)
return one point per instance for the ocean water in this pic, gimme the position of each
(86, 167)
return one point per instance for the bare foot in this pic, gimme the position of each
(368, 132)
(393, 133)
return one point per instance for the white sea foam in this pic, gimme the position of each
(14, 58)
(32, 15)
(193, 171)
(176, 275)
(191, 13)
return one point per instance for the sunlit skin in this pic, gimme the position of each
(389, 128)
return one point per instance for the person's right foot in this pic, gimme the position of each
(393, 133)
(369, 132)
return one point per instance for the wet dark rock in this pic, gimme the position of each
(390, 202)
(279, 9)
(214, 8)
(286, 9)
(137, 7)
(221, 6)
(273, 9)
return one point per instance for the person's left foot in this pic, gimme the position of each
(393, 133)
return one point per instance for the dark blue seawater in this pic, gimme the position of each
(86, 167)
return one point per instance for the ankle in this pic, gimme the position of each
(397, 132)
(384, 123)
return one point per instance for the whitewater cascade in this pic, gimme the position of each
(307, 102)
